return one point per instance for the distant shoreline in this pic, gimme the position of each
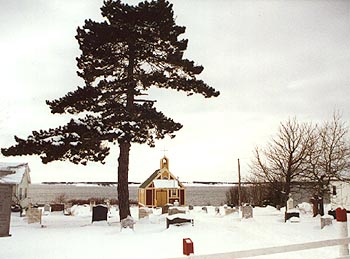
(136, 183)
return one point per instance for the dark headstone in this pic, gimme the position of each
(99, 213)
(16, 208)
(332, 213)
(289, 215)
(205, 209)
(190, 207)
(178, 221)
(166, 207)
(57, 207)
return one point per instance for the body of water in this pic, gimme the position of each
(195, 195)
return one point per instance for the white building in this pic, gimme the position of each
(340, 195)
(18, 175)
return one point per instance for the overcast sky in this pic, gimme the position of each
(270, 60)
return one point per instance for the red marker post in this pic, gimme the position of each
(187, 246)
(341, 217)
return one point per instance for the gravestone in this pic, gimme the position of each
(5, 209)
(47, 208)
(128, 222)
(34, 215)
(173, 211)
(217, 210)
(67, 208)
(326, 221)
(247, 212)
(144, 212)
(108, 203)
(292, 214)
(290, 203)
(229, 211)
(92, 204)
(205, 209)
(165, 208)
(332, 213)
(190, 207)
(99, 213)
(57, 207)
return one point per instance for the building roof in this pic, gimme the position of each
(149, 179)
(13, 173)
(160, 183)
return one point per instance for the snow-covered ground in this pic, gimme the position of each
(76, 237)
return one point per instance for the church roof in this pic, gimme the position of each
(149, 179)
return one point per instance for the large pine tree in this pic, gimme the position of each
(134, 48)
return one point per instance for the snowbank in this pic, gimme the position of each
(75, 236)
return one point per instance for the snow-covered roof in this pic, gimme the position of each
(166, 184)
(13, 172)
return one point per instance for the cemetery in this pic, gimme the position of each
(89, 231)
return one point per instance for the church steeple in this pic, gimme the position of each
(164, 163)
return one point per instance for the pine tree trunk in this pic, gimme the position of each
(123, 181)
(124, 145)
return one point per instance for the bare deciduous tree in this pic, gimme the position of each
(328, 156)
(282, 161)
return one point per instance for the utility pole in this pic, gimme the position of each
(239, 185)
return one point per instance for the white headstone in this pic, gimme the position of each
(47, 208)
(92, 204)
(290, 203)
(67, 208)
(108, 203)
(34, 215)
(128, 222)
(144, 212)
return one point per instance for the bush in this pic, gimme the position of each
(99, 201)
(255, 194)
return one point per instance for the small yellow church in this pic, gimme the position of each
(161, 188)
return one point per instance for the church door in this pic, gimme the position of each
(161, 197)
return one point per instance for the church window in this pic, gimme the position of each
(174, 193)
